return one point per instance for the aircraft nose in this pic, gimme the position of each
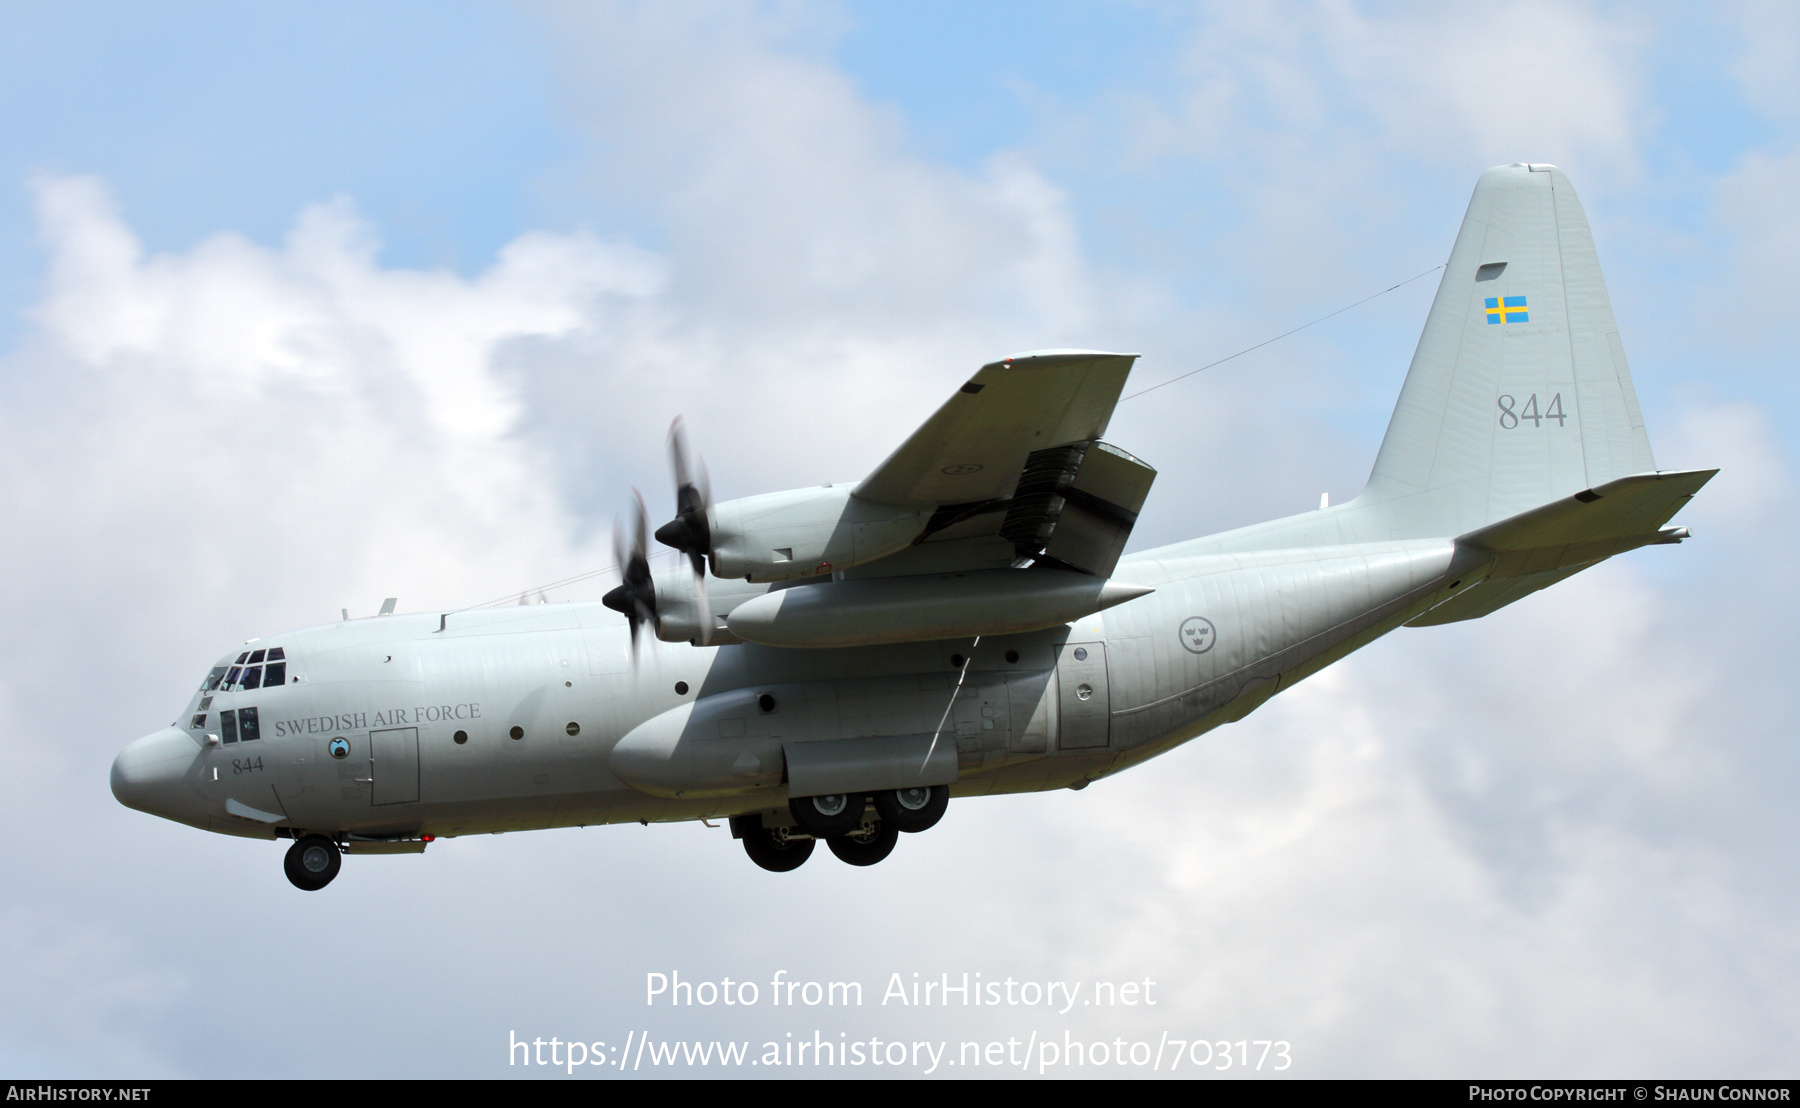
(145, 773)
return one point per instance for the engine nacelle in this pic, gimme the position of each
(924, 608)
(780, 536)
(681, 618)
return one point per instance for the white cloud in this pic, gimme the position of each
(1512, 82)
(217, 444)
(300, 403)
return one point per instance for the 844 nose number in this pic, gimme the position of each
(246, 765)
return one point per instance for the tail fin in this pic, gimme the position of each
(1518, 394)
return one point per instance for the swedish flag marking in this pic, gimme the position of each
(1510, 309)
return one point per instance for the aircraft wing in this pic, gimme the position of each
(1015, 471)
(975, 447)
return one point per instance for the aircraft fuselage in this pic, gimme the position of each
(507, 719)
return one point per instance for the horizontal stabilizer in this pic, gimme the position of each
(1589, 525)
(1536, 549)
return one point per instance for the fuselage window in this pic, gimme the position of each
(228, 725)
(199, 722)
(213, 679)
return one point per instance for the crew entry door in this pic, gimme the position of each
(394, 765)
(1084, 706)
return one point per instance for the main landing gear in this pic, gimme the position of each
(865, 846)
(853, 833)
(312, 862)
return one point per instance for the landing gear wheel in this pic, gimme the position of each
(916, 809)
(827, 817)
(312, 862)
(865, 848)
(770, 848)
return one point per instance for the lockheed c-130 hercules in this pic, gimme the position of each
(843, 659)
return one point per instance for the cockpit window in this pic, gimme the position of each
(241, 677)
(239, 725)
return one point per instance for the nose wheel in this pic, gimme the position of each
(312, 862)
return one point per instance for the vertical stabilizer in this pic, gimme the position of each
(1519, 393)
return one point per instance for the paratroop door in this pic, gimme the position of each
(1082, 697)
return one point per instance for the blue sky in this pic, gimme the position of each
(450, 129)
(437, 118)
(439, 275)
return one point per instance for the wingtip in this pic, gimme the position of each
(1035, 358)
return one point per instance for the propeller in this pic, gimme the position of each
(635, 597)
(691, 530)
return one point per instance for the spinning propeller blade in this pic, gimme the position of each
(635, 597)
(691, 530)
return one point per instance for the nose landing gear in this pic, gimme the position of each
(312, 862)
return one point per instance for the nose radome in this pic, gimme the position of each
(146, 774)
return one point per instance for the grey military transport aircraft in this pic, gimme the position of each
(837, 662)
